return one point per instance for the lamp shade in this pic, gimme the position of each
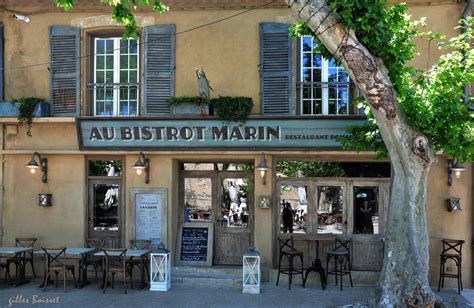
(32, 164)
(262, 166)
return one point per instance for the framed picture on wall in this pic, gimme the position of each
(264, 202)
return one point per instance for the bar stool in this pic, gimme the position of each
(452, 250)
(287, 250)
(340, 254)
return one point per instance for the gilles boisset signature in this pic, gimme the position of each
(34, 299)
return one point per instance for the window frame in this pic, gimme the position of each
(350, 110)
(91, 86)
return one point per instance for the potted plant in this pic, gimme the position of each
(232, 109)
(188, 105)
(25, 108)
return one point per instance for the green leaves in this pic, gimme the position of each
(122, 12)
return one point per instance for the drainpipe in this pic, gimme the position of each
(466, 13)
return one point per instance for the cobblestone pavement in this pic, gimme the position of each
(180, 295)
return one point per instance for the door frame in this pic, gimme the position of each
(215, 176)
(120, 180)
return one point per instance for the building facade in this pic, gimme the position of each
(205, 198)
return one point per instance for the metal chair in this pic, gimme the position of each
(341, 254)
(452, 250)
(288, 251)
(114, 261)
(55, 262)
(131, 262)
(91, 260)
(24, 242)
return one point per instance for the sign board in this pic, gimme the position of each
(150, 214)
(195, 244)
(260, 133)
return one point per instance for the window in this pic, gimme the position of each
(324, 87)
(115, 87)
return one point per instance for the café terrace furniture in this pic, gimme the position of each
(24, 242)
(6, 267)
(288, 251)
(133, 262)
(75, 252)
(20, 254)
(138, 253)
(340, 255)
(316, 266)
(452, 250)
(91, 260)
(55, 262)
(115, 261)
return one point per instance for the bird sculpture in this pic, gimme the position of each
(204, 89)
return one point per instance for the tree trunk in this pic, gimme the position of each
(404, 277)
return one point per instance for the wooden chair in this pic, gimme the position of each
(452, 250)
(24, 242)
(55, 262)
(341, 254)
(131, 262)
(288, 251)
(115, 261)
(91, 260)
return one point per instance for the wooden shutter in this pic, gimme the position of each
(65, 71)
(276, 72)
(1, 61)
(159, 68)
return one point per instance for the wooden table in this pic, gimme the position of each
(74, 252)
(20, 252)
(141, 253)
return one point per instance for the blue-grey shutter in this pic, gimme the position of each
(65, 70)
(159, 68)
(276, 71)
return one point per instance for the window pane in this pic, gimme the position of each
(133, 46)
(198, 199)
(318, 93)
(123, 76)
(306, 107)
(100, 77)
(109, 76)
(317, 75)
(123, 62)
(332, 106)
(123, 108)
(317, 107)
(133, 62)
(109, 46)
(234, 209)
(293, 209)
(317, 60)
(133, 108)
(330, 209)
(109, 62)
(123, 46)
(106, 206)
(306, 75)
(100, 62)
(307, 43)
(105, 168)
(100, 46)
(133, 77)
(366, 210)
(306, 59)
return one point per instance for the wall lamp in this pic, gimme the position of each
(43, 166)
(143, 165)
(456, 167)
(263, 168)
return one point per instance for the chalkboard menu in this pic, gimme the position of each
(194, 244)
